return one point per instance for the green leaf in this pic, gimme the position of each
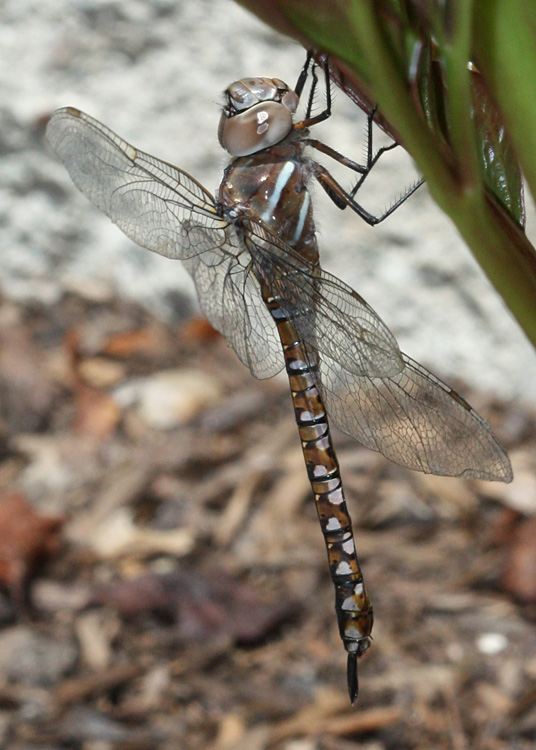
(499, 162)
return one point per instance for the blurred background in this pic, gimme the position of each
(165, 580)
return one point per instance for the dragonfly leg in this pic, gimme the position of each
(372, 159)
(343, 199)
(302, 78)
(344, 160)
(308, 67)
(364, 170)
(308, 121)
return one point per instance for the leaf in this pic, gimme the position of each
(205, 605)
(198, 330)
(26, 388)
(26, 540)
(143, 341)
(499, 161)
(97, 414)
(519, 577)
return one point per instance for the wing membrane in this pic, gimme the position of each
(157, 205)
(328, 315)
(165, 210)
(371, 390)
(230, 297)
(413, 419)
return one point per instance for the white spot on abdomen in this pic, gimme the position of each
(349, 547)
(333, 524)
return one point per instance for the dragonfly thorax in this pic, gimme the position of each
(256, 115)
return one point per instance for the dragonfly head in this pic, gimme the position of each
(257, 114)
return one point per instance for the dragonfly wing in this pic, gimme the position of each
(165, 210)
(328, 315)
(344, 323)
(230, 297)
(157, 205)
(413, 419)
(371, 390)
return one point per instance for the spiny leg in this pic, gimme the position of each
(309, 68)
(363, 169)
(312, 92)
(326, 113)
(343, 199)
(302, 78)
(372, 159)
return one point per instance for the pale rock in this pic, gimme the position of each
(169, 398)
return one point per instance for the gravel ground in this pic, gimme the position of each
(154, 73)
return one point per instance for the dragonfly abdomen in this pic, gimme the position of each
(352, 604)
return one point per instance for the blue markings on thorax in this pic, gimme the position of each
(280, 184)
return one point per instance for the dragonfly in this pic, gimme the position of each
(254, 258)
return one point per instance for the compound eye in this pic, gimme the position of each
(263, 88)
(250, 91)
(240, 96)
(257, 128)
(290, 100)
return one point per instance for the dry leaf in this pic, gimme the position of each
(100, 372)
(26, 539)
(26, 389)
(205, 605)
(198, 330)
(519, 577)
(148, 341)
(118, 535)
(170, 397)
(97, 413)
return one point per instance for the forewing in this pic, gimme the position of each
(155, 204)
(413, 419)
(329, 316)
(165, 210)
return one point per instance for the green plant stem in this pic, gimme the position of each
(457, 52)
(499, 246)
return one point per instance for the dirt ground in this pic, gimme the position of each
(165, 582)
